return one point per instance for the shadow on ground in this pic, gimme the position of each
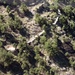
(24, 32)
(61, 60)
(35, 2)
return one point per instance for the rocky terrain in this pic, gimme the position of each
(37, 37)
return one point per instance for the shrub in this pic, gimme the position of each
(42, 39)
(52, 47)
(72, 24)
(54, 6)
(23, 8)
(5, 58)
(68, 10)
(40, 20)
(62, 19)
(3, 27)
(72, 62)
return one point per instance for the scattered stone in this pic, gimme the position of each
(56, 20)
(10, 48)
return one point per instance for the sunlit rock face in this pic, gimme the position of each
(10, 48)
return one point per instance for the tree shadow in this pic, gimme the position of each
(15, 68)
(28, 14)
(35, 2)
(61, 60)
(31, 58)
(24, 32)
(2, 68)
(10, 38)
(12, 16)
(43, 8)
(66, 47)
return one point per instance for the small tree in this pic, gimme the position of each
(51, 47)
(42, 39)
(5, 57)
(54, 6)
(14, 24)
(68, 10)
(72, 24)
(3, 27)
(62, 19)
(23, 8)
(1, 44)
(15, 2)
(72, 62)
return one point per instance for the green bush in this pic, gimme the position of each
(16, 23)
(62, 19)
(52, 47)
(42, 39)
(40, 20)
(54, 6)
(72, 62)
(68, 10)
(3, 27)
(5, 57)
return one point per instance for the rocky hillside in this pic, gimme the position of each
(37, 37)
